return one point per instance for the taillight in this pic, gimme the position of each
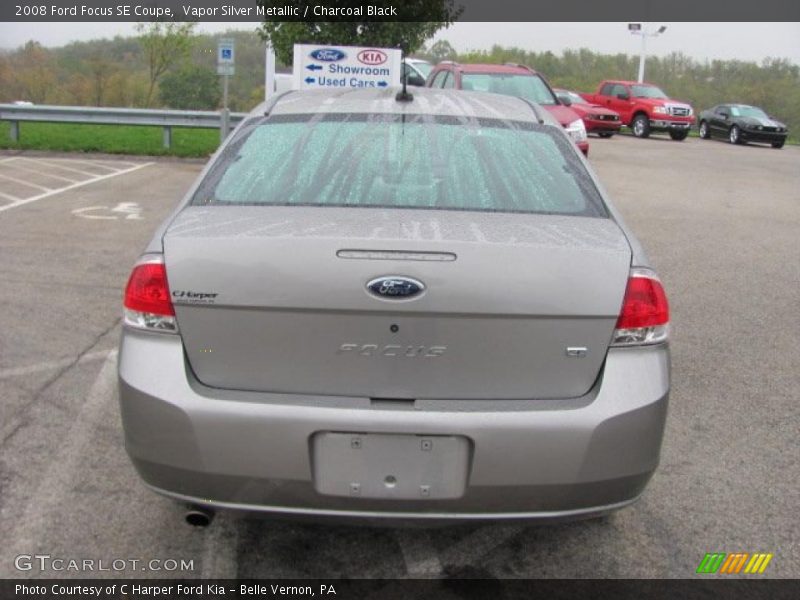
(644, 317)
(147, 301)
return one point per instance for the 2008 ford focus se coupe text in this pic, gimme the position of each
(423, 309)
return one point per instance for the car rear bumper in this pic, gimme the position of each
(528, 459)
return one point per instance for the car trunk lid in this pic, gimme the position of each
(514, 306)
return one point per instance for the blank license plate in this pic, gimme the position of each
(378, 465)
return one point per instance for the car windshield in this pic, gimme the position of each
(423, 67)
(647, 91)
(402, 161)
(531, 87)
(748, 111)
(573, 97)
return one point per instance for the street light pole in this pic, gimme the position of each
(638, 29)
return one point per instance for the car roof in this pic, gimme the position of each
(490, 68)
(625, 82)
(431, 101)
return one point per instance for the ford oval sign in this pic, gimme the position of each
(328, 55)
(395, 287)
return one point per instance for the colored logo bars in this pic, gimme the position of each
(719, 562)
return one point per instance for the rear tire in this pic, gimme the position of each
(777, 144)
(641, 126)
(705, 133)
(735, 135)
(605, 134)
(679, 135)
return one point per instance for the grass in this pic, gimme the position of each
(111, 139)
(121, 139)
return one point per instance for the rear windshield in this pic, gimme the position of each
(401, 161)
(531, 87)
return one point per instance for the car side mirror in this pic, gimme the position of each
(414, 79)
(724, 115)
(565, 101)
(623, 96)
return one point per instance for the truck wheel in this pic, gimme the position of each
(734, 135)
(641, 126)
(704, 132)
(777, 144)
(679, 135)
(605, 134)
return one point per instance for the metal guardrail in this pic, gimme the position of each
(167, 119)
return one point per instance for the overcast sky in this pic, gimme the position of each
(744, 41)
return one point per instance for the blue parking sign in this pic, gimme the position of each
(225, 52)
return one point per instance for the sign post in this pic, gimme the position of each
(269, 74)
(226, 59)
(325, 67)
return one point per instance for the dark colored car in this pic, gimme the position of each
(597, 119)
(510, 80)
(740, 123)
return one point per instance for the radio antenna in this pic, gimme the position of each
(403, 95)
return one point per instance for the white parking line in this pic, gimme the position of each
(41, 174)
(73, 186)
(10, 197)
(53, 365)
(59, 478)
(480, 543)
(220, 549)
(418, 552)
(91, 162)
(58, 166)
(28, 183)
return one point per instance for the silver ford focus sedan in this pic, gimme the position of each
(370, 307)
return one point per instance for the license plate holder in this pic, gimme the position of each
(391, 466)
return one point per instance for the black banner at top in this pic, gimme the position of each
(399, 10)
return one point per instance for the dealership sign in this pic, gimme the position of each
(325, 67)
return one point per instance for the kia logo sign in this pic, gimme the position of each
(372, 57)
(328, 55)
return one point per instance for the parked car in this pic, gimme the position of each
(602, 121)
(373, 308)
(644, 108)
(741, 123)
(417, 71)
(511, 80)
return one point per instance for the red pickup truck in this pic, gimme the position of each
(644, 108)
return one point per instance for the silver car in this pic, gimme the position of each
(374, 308)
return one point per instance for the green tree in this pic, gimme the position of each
(410, 36)
(164, 44)
(441, 50)
(191, 87)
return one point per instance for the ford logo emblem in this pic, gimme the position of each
(328, 55)
(395, 287)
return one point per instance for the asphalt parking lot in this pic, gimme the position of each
(721, 224)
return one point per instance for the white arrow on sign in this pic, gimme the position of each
(131, 210)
